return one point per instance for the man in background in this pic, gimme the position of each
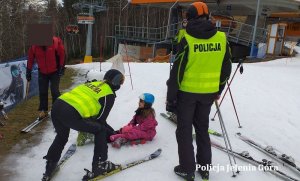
(49, 53)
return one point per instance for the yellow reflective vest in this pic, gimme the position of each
(84, 98)
(180, 35)
(203, 70)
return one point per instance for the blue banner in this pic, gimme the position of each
(13, 82)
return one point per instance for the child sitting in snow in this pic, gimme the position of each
(141, 127)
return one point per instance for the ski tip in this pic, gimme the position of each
(239, 134)
(163, 114)
(156, 153)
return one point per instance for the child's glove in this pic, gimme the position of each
(114, 137)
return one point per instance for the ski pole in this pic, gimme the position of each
(234, 106)
(170, 60)
(127, 57)
(241, 70)
(226, 139)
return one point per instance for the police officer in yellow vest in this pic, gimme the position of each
(197, 78)
(85, 108)
(177, 39)
(181, 32)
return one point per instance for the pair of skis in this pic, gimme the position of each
(72, 149)
(285, 160)
(123, 167)
(28, 128)
(171, 117)
(267, 166)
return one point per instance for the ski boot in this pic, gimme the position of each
(100, 168)
(204, 175)
(119, 142)
(50, 167)
(183, 174)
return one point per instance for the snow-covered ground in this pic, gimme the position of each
(266, 98)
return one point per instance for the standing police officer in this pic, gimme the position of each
(177, 39)
(198, 76)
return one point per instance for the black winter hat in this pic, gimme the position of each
(114, 78)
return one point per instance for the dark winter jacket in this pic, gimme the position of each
(107, 103)
(200, 29)
(46, 57)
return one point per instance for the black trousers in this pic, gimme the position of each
(44, 80)
(65, 117)
(193, 110)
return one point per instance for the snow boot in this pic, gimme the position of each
(187, 176)
(119, 142)
(100, 168)
(83, 137)
(50, 167)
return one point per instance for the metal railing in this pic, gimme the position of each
(242, 33)
(148, 34)
(236, 32)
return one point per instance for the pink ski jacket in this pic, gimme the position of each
(142, 128)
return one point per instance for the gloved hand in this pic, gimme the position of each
(171, 106)
(61, 71)
(28, 75)
(114, 137)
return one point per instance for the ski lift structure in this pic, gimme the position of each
(223, 20)
(86, 17)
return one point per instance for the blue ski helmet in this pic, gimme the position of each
(147, 98)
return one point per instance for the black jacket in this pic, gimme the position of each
(107, 103)
(201, 29)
